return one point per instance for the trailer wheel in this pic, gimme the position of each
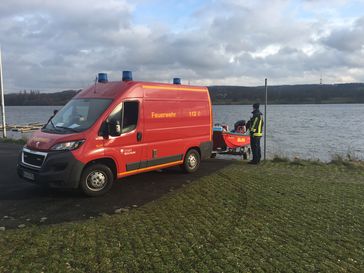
(192, 161)
(96, 180)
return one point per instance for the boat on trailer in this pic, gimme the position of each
(227, 142)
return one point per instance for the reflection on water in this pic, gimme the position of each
(304, 131)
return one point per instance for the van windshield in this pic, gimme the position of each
(77, 115)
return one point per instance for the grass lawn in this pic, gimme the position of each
(276, 217)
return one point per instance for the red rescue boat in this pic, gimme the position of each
(235, 142)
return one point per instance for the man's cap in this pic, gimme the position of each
(256, 105)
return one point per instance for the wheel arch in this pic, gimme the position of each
(105, 161)
(204, 149)
(193, 148)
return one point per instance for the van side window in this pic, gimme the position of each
(130, 113)
(115, 119)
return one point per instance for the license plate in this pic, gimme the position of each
(28, 175)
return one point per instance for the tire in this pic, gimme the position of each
(213, 155)
(192, 161)
(96, 180)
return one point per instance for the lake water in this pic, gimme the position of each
(303, 131)
(318, 131)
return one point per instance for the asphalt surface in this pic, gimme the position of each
(22, 203)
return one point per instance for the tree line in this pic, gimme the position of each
(289, 94)
(280, 94)
(34, 97)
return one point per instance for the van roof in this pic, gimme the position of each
(114, 89)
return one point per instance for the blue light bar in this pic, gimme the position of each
(176, 80)
(102, 77)
(127, 76)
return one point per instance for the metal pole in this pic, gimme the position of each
(265, 118)
(2, 96)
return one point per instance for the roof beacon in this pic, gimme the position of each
(102, 77)
(127, 76)
(176, 80)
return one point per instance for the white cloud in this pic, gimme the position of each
(53, 45)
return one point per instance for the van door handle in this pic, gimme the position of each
(139, 136)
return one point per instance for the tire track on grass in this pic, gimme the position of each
(237, 207)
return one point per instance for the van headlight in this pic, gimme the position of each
(67, 146)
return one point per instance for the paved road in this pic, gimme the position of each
(24, 203)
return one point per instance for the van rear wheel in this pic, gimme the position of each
(192, 161)
(96, 180)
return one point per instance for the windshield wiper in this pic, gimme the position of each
(51, 122)
(67, 128)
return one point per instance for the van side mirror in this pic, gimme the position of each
(114, 128)
(117, 128)
(104, 130)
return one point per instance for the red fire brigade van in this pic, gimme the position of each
(116, 129)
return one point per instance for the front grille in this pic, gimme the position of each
(33, 158)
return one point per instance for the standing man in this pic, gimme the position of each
(256, 133)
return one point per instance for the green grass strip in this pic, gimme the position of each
(276, 217)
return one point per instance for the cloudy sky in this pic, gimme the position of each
(54, 45)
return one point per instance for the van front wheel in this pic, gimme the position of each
(96, 180)
(192, 161)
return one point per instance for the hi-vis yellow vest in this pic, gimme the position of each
(257, 127)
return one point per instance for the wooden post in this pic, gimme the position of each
(2, 97)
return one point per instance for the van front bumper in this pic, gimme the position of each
(58, 170)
